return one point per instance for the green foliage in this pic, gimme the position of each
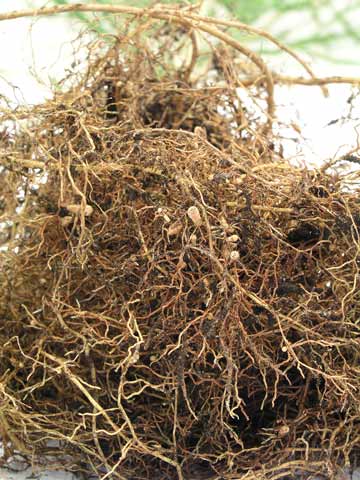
(308, 25)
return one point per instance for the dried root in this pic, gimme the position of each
(176, 299)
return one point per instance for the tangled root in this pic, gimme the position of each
(175, 297)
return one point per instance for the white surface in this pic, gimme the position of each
(32, 47)
(43, 46)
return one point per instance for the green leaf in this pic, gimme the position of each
(322, 24)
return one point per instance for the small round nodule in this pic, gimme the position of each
(233, 238)
(78, 209)
(193, 239)
(234, 256)
(65, 221)
(174, 229)
(283, 430)
(194, 215)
